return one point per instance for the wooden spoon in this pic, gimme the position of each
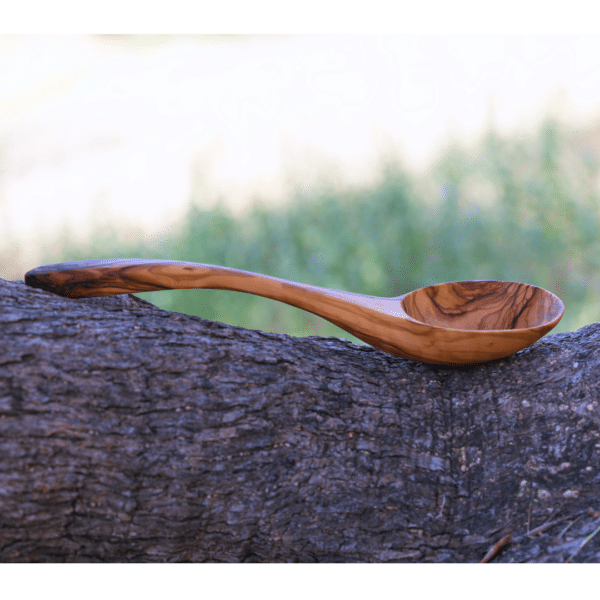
(448, 323)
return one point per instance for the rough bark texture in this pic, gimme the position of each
(128, 433)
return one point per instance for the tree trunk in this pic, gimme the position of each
(129, 433)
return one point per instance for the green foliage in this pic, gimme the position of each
(519, 209)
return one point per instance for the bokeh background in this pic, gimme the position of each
(374, 164)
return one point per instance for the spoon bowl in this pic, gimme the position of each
(457, 323)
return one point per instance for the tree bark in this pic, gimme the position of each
(129, 433)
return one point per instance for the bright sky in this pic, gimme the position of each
(92, 130)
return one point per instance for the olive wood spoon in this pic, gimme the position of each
(448, 323)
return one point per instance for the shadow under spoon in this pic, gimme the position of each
(457, 323)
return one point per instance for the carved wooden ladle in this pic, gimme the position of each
(448, 323)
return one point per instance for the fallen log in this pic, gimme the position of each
(133, 434)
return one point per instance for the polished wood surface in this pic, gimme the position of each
(448, 323)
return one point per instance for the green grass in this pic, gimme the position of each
(516, 208)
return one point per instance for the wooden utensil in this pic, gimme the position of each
(448, 323)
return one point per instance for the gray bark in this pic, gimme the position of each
(128, 433)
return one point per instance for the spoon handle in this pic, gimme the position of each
(90, 278)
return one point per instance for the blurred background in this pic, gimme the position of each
(373, 164)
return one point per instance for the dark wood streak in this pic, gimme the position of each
(450, 323)
(519, 313)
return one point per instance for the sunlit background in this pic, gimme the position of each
(142, 144)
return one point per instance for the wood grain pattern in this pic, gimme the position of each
(449, 323)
